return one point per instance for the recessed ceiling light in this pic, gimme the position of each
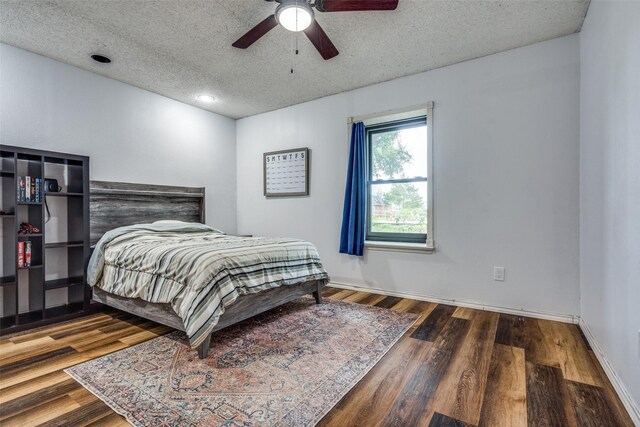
(100, 58)
(205, 98)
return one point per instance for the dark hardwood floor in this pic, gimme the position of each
(455, 367)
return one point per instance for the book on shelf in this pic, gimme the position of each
(21, 254)
(21, 192)
(29, 189)
(38, 190)
(27, 254)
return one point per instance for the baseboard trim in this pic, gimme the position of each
(565, 318)
(630, 405)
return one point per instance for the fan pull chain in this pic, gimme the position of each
(296, 52)
(295, 39)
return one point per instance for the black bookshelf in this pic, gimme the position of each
(27, 291)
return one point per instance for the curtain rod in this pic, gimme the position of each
(426, 106)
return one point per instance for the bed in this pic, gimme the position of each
(242, 276)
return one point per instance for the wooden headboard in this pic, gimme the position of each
(116, 204)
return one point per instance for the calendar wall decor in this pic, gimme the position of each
(286, 173)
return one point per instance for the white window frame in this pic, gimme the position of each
(395, 115)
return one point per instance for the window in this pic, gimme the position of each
(398, 174)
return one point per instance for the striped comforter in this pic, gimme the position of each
(197, 269)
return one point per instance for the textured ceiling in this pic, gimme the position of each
(181, 48)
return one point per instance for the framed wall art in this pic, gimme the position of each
(286, 173)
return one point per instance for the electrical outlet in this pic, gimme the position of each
(498, 274)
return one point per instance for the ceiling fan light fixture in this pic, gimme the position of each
(294, 15)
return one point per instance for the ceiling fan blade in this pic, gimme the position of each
(256, 32)
(355, 5)
(320, 40)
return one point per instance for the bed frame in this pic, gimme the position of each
(116, 204)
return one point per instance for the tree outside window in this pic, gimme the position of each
(397, 184)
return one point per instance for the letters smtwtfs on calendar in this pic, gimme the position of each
(286, 173)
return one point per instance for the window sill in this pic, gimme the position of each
(399, 247)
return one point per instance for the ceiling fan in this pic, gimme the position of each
(297, 15)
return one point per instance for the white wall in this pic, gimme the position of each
(506, 179)
(130, 134)
(610, 184)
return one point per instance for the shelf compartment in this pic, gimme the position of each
(69, 173)
(64, 283)
(7, 322)
(30, 317)
(74, 244)
(7, 280)
(7, 163)
(62, 161)
(9, 297)
(29, 212)
(29, 157)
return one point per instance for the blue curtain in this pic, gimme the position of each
(353, 214)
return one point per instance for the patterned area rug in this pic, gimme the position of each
(286, 367)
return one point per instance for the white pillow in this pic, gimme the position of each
(170, 221)
(176, 222)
